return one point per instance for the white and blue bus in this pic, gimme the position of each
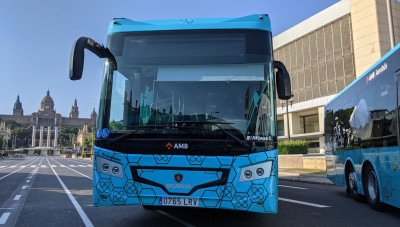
(362, 136)
(187, 113)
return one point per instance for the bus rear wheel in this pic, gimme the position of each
(372, 188)
(351, 182)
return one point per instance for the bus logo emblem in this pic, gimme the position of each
(169, 146)
(178, 177)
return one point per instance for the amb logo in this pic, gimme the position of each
(169, 146)
(177, 146)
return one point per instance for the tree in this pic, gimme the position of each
(87, 143)
(1, 142)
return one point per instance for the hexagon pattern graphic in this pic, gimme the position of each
(232, 195)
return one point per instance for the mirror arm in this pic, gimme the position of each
(99, 50)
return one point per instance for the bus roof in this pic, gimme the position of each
(388, 54)
(255, 21)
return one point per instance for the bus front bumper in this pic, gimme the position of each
(220, 182)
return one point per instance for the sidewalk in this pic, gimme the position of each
(299, 175)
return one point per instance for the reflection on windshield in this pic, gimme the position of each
(150, 95)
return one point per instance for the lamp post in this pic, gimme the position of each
(286, 102)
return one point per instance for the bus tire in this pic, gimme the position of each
(351, 183)
(371, 187)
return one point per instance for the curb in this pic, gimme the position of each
(308, 178)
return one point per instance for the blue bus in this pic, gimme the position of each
(362, 136)
(187, 113)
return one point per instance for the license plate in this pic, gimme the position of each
(185, 202)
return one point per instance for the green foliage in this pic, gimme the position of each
(87, 143)
(1, 142)
(68, 133)
(293, 147)
(22, 131)
(25, 151)
(37, 152)
(116, 125)
(50, 152)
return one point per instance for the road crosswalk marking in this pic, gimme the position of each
(46, 166)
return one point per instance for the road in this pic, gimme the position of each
(55, 191)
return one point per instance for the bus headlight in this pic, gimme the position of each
(260, 171)
(248, 174)
(105, 167)
(255, 172)
(108, 167)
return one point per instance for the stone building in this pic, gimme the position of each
(5, 133)
(325, 53)
(82, 135)
(46, 123)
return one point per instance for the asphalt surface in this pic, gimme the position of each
(55, 191)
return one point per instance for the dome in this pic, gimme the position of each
(47, 102)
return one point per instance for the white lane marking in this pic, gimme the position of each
(72, 166)
(24, 187)
(62, 165)
(53, 166)
(1, 178)
(27, 181)
(303, 203)
(78, 208)
(174, 218)
(287, 186)
(75, 171)
(4, 218)
(22, 166)
(89, 165)
(43, 166)
(17, 197)
(15, 171)
(81, 166)
(80, 162)
(2, 166)
(30, 176)
(14, 166)
(33, 166)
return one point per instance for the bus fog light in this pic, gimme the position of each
(260, 171)
(103, 197)
(260, 203)
(248, 174)
(115, 170)
(105, 167)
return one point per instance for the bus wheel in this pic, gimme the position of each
(372, 189)
(351, 182)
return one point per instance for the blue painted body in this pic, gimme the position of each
(256, 196)
(249, 22)
(233, 195)
(385, 161)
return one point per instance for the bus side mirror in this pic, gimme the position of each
(77, 55)
(282, 81)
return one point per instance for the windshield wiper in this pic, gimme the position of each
(119, 138)
(237, 139)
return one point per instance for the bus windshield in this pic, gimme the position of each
(167, 84)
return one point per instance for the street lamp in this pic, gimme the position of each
(286, 102)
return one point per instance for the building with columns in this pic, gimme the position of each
(46, 122)
(324, 54)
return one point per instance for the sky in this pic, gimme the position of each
(36, 39)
